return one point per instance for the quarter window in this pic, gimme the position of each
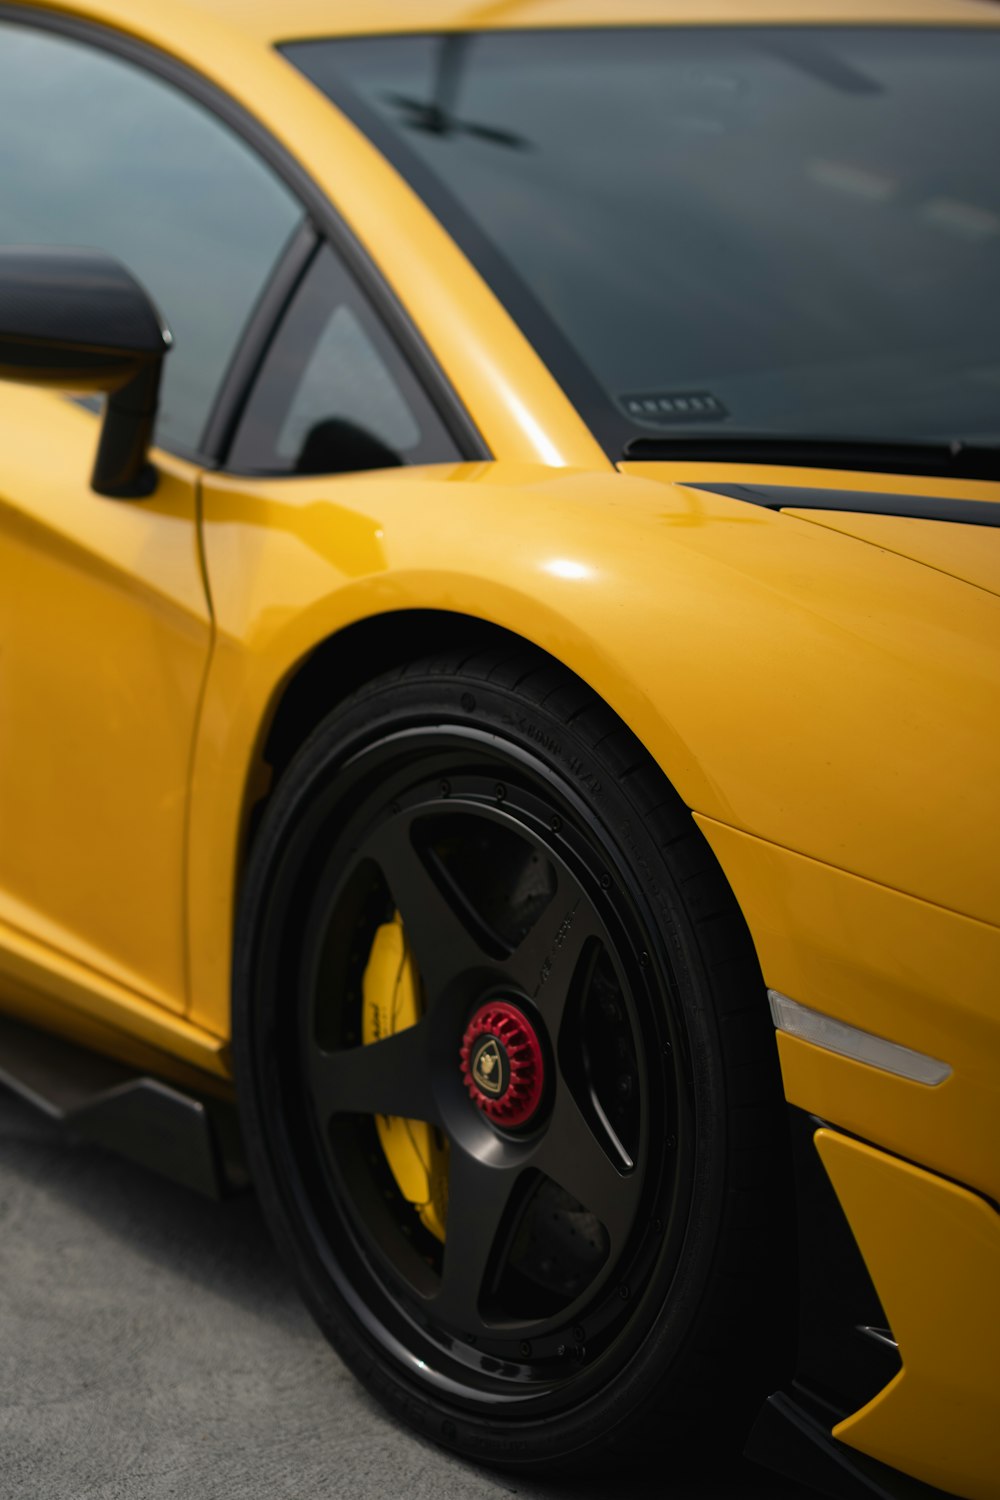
(334, 393)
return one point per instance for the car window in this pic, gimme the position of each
(334, 393)
(96, 152)
(770, 231)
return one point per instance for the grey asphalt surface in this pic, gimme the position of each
(152, 1345)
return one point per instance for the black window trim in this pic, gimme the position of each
(259, 334)
(321, 219)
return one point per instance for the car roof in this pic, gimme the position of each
(285, 20)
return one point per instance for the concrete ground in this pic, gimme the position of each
(152, 1346)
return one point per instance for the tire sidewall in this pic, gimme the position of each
(667, 1362)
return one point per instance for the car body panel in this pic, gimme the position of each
(50, 990)
(301, 18)
(937, 1417)
(705, 622)
(970, 553)
(107, 636)
(900, 968)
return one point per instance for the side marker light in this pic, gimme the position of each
(850, 1041)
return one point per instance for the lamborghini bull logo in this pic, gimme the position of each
(487, 1070)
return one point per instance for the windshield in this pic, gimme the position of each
(712, 232)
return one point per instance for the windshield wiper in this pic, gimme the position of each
(952, 460)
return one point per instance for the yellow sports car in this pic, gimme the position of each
(507, 690)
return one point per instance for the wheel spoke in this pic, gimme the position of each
(391, 1077)
(546, 961)
(572, 1155)
(442, 944)
(478, 1194)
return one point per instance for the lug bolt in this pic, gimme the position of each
(501, 791)
(446, 788)
(525, 1349)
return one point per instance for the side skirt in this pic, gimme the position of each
(791, 1440)
(191, 1138)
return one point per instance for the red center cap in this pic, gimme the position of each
(502, 1063)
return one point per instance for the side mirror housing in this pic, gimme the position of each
(78, 319)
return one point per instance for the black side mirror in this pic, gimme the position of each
(76, 318)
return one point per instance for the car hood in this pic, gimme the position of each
(959, 537)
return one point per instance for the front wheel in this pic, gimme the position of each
(508, 1086)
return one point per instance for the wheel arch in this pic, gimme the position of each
(349, 657)
(244, 746)
(346, 659)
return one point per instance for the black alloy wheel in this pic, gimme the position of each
(592, 1057)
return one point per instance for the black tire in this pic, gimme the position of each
(589, 1308)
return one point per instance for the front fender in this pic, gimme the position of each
(795, 684)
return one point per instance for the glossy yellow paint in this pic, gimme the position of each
(325, 558)
(971, 553)
(901, 968)
(45, 988)
(707, 624)
(301, 18)
(828, 708)
(106, 638)
(933, 1250)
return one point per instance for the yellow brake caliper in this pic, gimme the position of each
(417, 1155)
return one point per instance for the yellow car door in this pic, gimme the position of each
(105, 622)
(106, 632)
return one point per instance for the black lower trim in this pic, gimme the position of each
(258, 334)
(790, 1438)
(192, 1139)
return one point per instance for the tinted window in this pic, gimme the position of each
(768, 230)
(94, 152)
(334, 394)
